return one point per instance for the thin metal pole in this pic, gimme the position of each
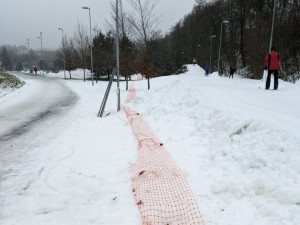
(117, 55)
(64, 53)
(27, 43)
(29, 55)
(42, 52)
(210, 55)
(220, 49)
(224, 21)
(197, 53)
(91, 44)
(63, 45)
(271, 39)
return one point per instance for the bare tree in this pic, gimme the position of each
(81, 41)
(145, 67)
(144, 20)
(126, 29)
(70, 53)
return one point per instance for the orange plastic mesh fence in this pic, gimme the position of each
(159, 186)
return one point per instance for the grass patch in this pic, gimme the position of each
(241, 130)
(9, 81)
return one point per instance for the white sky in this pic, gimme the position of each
(22, 19)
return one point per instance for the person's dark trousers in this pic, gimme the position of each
(231, 75)
(275, 79)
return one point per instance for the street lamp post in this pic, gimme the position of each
(27, 43)
(41, 37)
(211, 37)
(197, 53)
(271, 39)
(62, 32)
(117, 54)
(225, 21)
(96, 30)
(91, 44)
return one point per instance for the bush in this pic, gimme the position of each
(9, 81)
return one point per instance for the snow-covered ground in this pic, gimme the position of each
(238, 146)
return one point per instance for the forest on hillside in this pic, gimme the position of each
(246, 36)
(245, 26)
(245, 39)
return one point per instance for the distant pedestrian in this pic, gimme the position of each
(272, 65)
(221, 71)
(194, 61)
(35, 69)
(231, 72)
(207, 68)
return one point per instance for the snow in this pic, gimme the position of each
(237, 145)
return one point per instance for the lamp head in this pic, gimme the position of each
(84, 7)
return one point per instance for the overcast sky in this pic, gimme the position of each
(23, 19)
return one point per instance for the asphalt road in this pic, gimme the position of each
(46, 97)
(26, 115)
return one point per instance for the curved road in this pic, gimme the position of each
(22, 110)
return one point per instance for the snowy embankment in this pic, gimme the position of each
(8, 83)
(237, 145)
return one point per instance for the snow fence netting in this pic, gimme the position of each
(158, 185)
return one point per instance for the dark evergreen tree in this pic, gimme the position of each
(6, 63)
(103, 54)
(245, 39)
(127, 65)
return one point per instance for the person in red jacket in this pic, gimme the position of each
(35, 69)
(272, 65)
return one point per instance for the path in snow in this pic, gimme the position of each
(257, 103)
(159, 186)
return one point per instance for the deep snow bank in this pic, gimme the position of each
(237, 145)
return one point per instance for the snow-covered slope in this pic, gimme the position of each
(238, 145)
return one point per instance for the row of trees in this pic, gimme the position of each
(245, 39)
(137, 30)
(143, 49)
(76, 50)
(18, 58)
